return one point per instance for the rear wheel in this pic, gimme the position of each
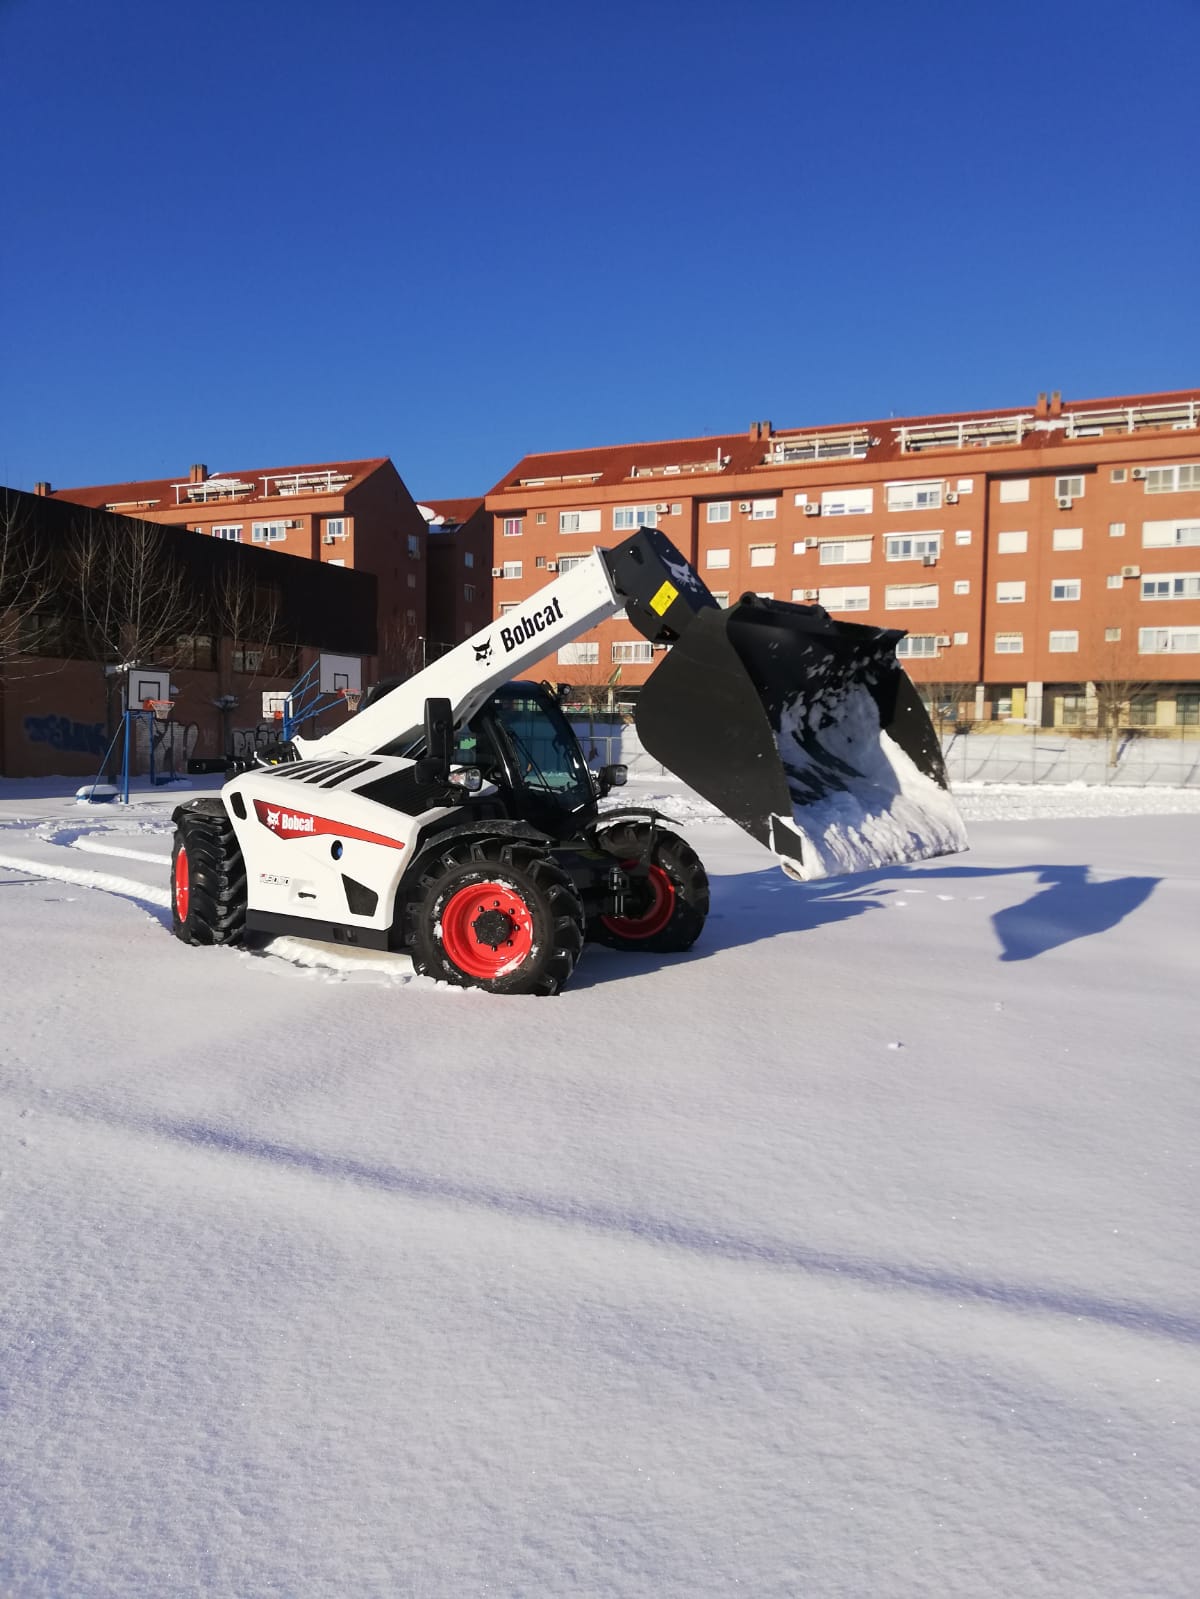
(496, 915)
(208, 880)
(667, 909)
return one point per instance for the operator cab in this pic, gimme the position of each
(521, 741)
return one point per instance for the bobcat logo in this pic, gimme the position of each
(483, 652)
(272, 818)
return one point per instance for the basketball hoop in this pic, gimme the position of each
(353, 698)
(160, 709)
(277, 716)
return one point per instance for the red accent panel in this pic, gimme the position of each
(287, 823)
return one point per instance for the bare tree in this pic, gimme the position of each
(246, 616)
(591, 686)
(951, 705)
(402, 649)
(130, 594)
(1122, 685)
(24, 579)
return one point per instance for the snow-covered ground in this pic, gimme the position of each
(852, 1254)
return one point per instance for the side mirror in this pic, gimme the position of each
(434, 766)
(610, 777)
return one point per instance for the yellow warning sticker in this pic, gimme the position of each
(663, 598)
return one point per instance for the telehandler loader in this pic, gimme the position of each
(455, 818)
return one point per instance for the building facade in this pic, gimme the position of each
(82, 591)
(354, 514)
(1044, 562)
(460, 580)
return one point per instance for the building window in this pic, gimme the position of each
(762, 555)
(1065, 588)
(843, 599)
(468, 558)
(512, 569)
(1064, 643)
(414, 546)
(1068, 488)
(410, 616)
(1172, 586)
(1067, 538)
(628, 517)
(914, 496)
(1143, 710)
(1009, 643)
(540, 519)
(232, 532)
(505, 609)
(568, 563)
(847, 502)
(635, 650)
(962, 585)
(514, 526)
(1012, 543)
(1010, 593)
(1187, 710)
(1075, 710)
(845, 552)
(717, 511)
(579, 655)
(268, 532)
(917, 645)
(1118, 474)
(1169, 535)
(910, 596)
(1169, 640)
(579, 521)
(1173, 479)
(722, 599)
(716, 558)
(468, 591)
(335, 528)
(1112, 635)
(1116, 530)
(912, 546)
(1014, 490)
(412, 580)
(963, 535)
(762, 510)
(962, 638)
(195, 650)
(1114, 580)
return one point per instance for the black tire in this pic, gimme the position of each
(510, 883)
(208, 892)
(666, 913)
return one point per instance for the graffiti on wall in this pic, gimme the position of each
(61, 733)
(245, 742)
(173, 743)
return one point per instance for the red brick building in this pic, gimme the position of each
(460, 576)
(356, 514)
(1033, 555)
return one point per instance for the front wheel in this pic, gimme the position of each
(498, 916)
(669, 906)
(208, 879)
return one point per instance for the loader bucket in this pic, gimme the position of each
(807, 733)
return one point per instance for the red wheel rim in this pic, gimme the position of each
(182, 884)
(474, 917)
(657, 914)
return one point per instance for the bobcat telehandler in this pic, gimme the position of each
(455, 817)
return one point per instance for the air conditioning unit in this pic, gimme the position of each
(663, 508)
(812, 510)
(497, 571)
(929, 560)
(329, 539)
(552, 566)
(944, 641)
(812, 594)
(296, 522)
(812, 544)
(951, 497)
(1131, 571)
(1065, 502)
(1138, 473)
(743, 505)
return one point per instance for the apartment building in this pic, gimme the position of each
(1033, 556)
(356, 514)
(460, 570)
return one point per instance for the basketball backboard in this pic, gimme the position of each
(146, 683)
(339, 672)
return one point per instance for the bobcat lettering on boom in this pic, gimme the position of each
(523, 629)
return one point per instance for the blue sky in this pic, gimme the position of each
(261, 234)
